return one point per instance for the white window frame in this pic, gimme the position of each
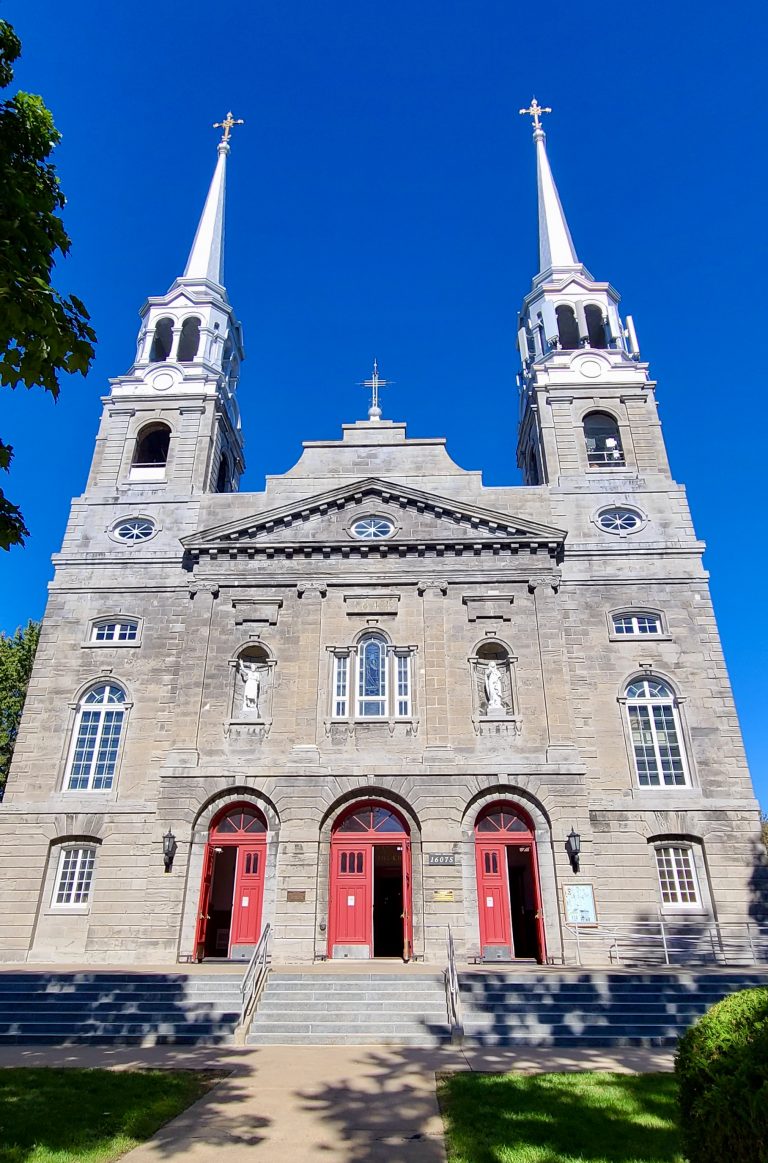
(81, 874)
(398, 697)
(635, 614)
(649, 702)
(674, 847)
(81, 708)
(120, 621)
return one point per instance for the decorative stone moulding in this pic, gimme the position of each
(374, 604)
(259, 610)
(495, 606)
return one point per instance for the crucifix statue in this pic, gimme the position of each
(374, 383)
(227, 124)
(535, 111)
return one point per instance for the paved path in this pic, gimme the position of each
(294, 1104)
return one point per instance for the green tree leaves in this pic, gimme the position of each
(17, 653)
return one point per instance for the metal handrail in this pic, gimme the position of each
(452, 993)
(679, 939)
(255, 976)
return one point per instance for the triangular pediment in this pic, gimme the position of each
(326, 521)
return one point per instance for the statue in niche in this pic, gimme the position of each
(250, 674)
(492, 684)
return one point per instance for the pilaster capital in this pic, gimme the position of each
(552, 579)
(432, 585)
(203, 587)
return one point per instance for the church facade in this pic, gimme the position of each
(378, 698)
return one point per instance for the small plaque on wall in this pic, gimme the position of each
(297, 894)
(442, 894)
(580, 907)
(441, 858)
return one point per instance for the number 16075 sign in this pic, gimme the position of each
(441, 858)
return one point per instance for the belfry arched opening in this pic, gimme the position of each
(370, 903)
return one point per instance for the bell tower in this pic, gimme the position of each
(171, 424)
(588, 406)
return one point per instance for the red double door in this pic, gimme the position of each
(508, 889)
(370, 908)
(232, 886)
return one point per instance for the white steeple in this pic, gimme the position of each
(556, 249)
(206, 258)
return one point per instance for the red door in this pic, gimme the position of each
(493, 896)
(352, 888)
(205, 900)
(248, 895)
(504, 838)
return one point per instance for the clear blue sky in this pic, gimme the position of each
(382, 201)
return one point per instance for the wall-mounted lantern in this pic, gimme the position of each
(573, 848)
(169, 849)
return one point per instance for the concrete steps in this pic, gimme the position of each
(590, 1008)
(356, 1009)
(118, 1008)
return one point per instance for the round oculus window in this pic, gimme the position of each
(373, 528)
(137, 529)
(619, 520)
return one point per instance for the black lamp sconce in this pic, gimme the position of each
(573, 848)
(169, 849)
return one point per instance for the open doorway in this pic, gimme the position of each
(522, 901)
(388, 937)
(219, 925)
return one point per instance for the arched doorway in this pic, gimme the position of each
(370, 911)
(232, 888)
(508, 889)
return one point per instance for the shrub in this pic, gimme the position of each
(722, 1068)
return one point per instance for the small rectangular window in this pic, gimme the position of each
(341, 686)
(677, 877)
(74, 876)
(636, 625)
(122, 631)
(403, 686)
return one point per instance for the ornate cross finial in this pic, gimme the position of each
(226, 125)
(535, 111)
(374, 383)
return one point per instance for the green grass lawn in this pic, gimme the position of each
(62, 1115)
(560, 1118)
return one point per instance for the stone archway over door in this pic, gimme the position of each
(232, 885)
(370, 910)
(508, 886)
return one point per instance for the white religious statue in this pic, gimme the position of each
(249, 673)
(492, 685)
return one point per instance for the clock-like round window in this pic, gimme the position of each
(133, 530)
(620, 520)
(373, 528)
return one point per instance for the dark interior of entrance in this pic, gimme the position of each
(387, 901)
(522, 900)
(220, 909)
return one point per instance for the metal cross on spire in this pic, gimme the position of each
(535, 111)
(374, 383)
(226, 125)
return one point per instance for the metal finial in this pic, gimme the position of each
(374, 383)
(535, 111)
(226, 125)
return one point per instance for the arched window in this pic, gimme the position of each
(596, 326)
(162, 341)
(372, 681)
(243, 819)
(567, 327)
(601, 435)
(96, 738)
(654, 726)
(152, 446)
(189, 340)
(223, 479)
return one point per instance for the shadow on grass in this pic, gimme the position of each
(48, 1113)
(560, 1118)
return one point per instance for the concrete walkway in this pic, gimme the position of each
(341, 1104)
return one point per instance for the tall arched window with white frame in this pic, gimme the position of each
(655, 734)
(96, 738)
(372, 681)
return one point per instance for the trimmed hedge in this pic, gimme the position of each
(722, 1069)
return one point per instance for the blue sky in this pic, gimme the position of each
(382, 201)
